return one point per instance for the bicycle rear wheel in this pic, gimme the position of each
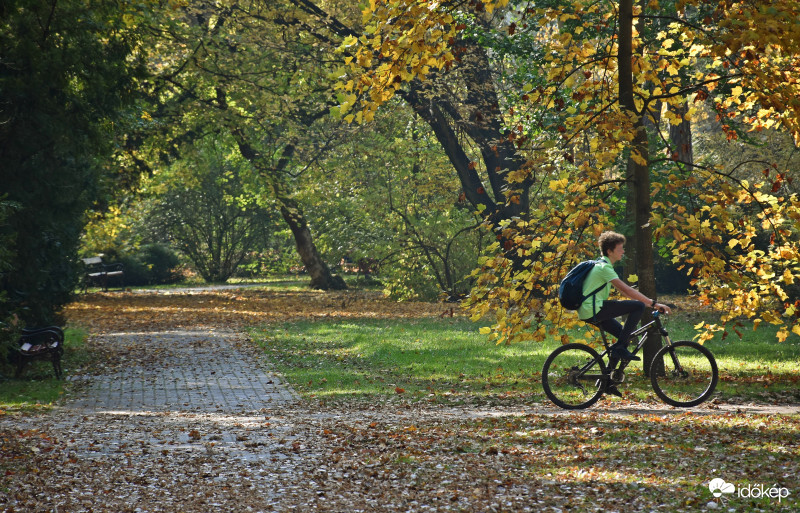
(689, 374)
(574, 376)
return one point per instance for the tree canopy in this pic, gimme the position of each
(592, 80)
(68, 70)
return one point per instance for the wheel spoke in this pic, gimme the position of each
(573, 376)
(684, 374)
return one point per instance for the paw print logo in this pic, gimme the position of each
(718, 486)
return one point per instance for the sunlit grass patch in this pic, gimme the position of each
(418, 359)
(447, 359)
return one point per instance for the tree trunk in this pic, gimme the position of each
(321, 277)
(681, 137)
(640, 174)
(479, 118)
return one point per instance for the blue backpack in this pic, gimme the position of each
(570, 291)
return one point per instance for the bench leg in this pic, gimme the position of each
(57, 365)
(20, 365)
(55, 359)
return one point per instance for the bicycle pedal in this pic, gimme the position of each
(612, 390)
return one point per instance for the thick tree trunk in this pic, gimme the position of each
(479, 118)
(640, 174)
(321, 277)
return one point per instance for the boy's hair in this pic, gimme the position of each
(609, 240)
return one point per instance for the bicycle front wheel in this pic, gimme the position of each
(684, 374)
(574, 376)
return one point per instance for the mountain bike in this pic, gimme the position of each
(682, 373)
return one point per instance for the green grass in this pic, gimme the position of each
(37, 388)
(423, 357)
(281, 283)
(435, 359)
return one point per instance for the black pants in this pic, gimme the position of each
(606, 319)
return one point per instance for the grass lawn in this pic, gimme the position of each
(446, 359)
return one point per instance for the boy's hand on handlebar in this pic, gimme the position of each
(663, 308)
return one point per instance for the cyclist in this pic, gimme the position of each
(600, 311)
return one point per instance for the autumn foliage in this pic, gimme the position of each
(731, 229)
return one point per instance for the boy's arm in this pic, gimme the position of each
(630, 292)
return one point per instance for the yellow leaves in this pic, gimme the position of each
(558, 185)
(232, 309)
(404, 40)
(349, 41)
(638, 158)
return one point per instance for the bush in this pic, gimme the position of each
(152, 264)
(162, 263)
(9, 335)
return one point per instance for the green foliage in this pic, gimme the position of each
(7, 331)
(162, 263)
(202, 206)
(388, 194)
(252, 74)
(152, 264)
(65, 73)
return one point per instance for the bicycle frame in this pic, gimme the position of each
(643, 333)
(683, 373)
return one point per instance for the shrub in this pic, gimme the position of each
(162, 263)
(152, 264)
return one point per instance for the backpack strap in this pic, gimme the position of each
(593, 294)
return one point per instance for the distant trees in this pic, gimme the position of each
(252, 73)
(201, 205)
(67, 72)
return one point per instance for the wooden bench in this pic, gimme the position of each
(39, 344)
(99, 273)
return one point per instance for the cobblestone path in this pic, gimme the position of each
(189, 421)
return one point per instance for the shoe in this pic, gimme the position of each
(622, 353)
(612, 390)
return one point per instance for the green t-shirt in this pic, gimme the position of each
(602, 273)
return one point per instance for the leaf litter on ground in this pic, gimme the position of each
(389, 456)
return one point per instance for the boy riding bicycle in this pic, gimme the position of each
(597, 309)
